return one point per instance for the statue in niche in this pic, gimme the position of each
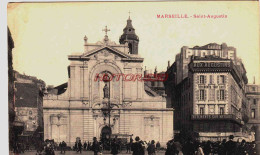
(106, 91)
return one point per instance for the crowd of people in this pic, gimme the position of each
(139, 147)
(229, 147)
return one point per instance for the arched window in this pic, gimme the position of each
(130, 48)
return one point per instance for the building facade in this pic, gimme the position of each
(207, 86)
(14, 126)
(105, 95)
(28, 106)
(253, 98)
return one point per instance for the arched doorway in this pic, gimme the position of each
(105, 137)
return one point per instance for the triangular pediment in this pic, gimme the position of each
(106, 50)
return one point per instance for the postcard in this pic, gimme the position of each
(137, 77)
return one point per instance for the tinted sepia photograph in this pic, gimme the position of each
(140, 78)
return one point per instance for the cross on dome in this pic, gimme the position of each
(106, 30)
(129, 13)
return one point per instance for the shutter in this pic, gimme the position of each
(212, 79)
(218, 79)
(225, 79)
(205, 79)
(225, 94)
(205, 95)
(218, 94)
(198, 79)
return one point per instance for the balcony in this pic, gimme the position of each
(230, 117)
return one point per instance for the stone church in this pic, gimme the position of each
(89, 105)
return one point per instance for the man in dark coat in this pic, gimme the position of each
(85, 146)
(158, 146)
(63, 147)
(137, 147)
(231, 146)
(79, 146)
(188, 148)
(151, 148)
(208, 148)
(242, 149)
(221, 148)
(171, 149)
(114, 147)
(95, 146)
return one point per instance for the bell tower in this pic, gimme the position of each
(130, 37)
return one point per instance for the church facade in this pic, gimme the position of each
(106, 95)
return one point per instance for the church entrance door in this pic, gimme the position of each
(105, 137)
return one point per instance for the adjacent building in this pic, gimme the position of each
(206, 86)
(106, 96)
(253, 99)
(28, 106)
(15, 127)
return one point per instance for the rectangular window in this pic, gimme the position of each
(221, 111)
(202, 94)
(255, 101)
(201, 110)
(211, 79)
(222, 95)
(222, 79)
(202, 79)
(253, 113)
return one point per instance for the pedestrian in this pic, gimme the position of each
(114, 147)
(199, 150)
(95, 146)
(151, 148)
(242, 149)
(208, 148)
(63, 147)
(85, 146)
(231, 146)
(221, 147)
(60, 147)
(137, 147)
(128, 147)
(89, 146)
(79, 146)
(131, 142)
(188, 147)
(158, 146)
(171, 149)
(76, 146)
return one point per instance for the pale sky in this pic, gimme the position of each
(46, 33)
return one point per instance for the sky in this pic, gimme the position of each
(45, 34)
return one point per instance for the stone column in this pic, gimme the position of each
(257, 138)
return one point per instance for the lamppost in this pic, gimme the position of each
(106, 103)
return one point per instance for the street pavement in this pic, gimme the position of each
(83, 152)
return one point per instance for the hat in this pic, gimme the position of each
(231, 137)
